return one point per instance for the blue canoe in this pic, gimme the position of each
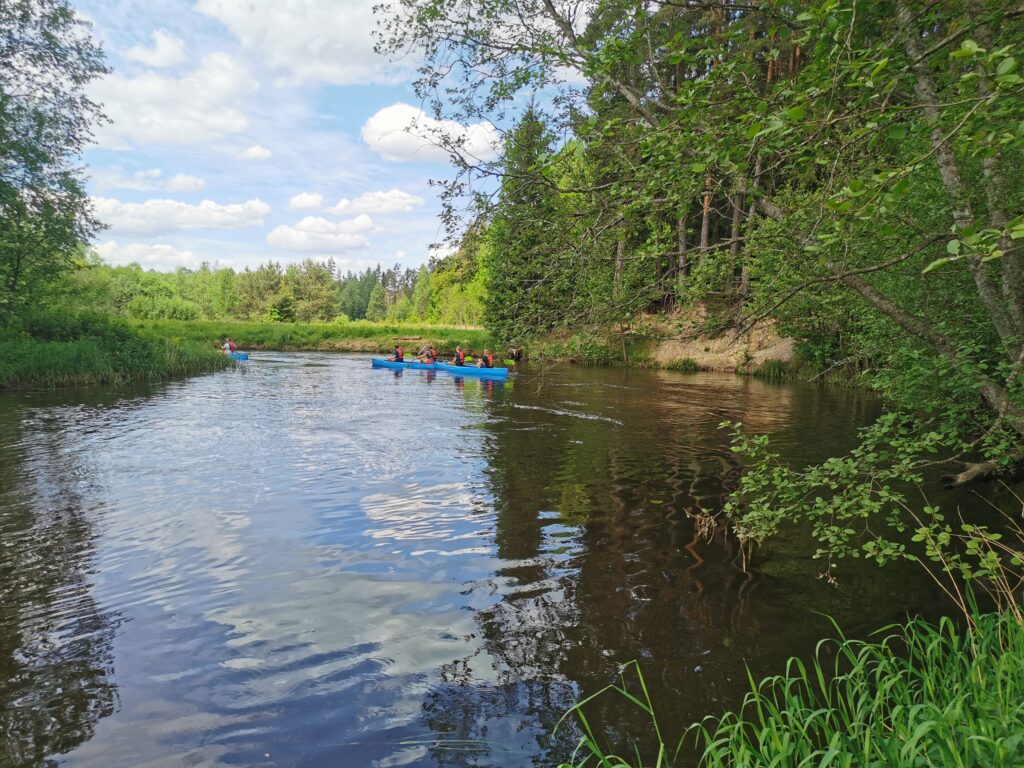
(238, 355)
(459, 370)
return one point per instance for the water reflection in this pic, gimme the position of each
(311, 562)
(56, 661)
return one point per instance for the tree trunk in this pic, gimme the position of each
(620, 257)
(734, 233)
(684, 264)
(705, 222)
(949, 171)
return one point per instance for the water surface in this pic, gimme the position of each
(307, 562)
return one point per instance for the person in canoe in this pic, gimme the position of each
(460, 357)
(427, 355)
(229, 346)
(486, 360)
(399, 354)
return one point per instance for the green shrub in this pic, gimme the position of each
(686, 365)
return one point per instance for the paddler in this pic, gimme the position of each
(399, 354)
(460, 357)
(486, 360)
(229, 346)
(427, 355)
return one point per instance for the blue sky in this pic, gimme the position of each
(250, 131)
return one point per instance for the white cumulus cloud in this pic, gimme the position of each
(328, 41)
(182, 182)
(206, 103)
(152, 256)
(167, 50)
(256, 152)
(158, 216)
(402, 133)
(317, 235)
(392, 201)
(115, 177)
(306, 201)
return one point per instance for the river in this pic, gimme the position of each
(308, 562)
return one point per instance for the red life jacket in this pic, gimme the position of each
(460, 358)
(231, 346)
(488, 361)
(399, 355)
(432, 355)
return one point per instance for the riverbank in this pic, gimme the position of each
(924, 695)
(60, 349)
(354, 336)
(679, 342)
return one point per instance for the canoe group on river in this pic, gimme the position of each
(428, 355)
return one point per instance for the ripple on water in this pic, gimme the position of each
(310, 562)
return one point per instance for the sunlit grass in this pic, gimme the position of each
(355, 336)
(921, 695)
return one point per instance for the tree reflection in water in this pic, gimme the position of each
(56, 661)
(600, 519)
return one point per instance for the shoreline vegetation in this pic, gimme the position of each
(55, 349)
(916, 694)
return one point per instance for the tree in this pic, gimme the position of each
(47, 59)
(377, 309)
(522, 292)
(421, 294)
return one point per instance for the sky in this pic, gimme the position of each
(246, 131)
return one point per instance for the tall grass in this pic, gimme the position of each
(922, 695)
(55, 349)
(355, 336)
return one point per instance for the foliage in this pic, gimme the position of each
(47, 59)
(309, 291)
(63, 349)
(920, 695)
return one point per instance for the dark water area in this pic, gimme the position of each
(307, 562)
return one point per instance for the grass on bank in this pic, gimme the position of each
(353, 336)
(56, 349)
(924, 695)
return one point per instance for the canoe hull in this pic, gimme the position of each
(498, 374)
(238, 355)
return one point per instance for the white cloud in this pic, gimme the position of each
(207, 103)
(182, 182)
(392, 201)
(116, 177)
(167, 51)
(157, 216)
(306, 201)
(403, 133)
(155, 256)
(317, 235)
(319, 40)
(256, 152)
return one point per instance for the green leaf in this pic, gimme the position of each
(936, 264)
(1006, 66)
(953, 247)
(796, 114)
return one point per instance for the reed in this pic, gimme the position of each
(59, 349)
(920, 695)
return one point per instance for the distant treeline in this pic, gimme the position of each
(448, 291)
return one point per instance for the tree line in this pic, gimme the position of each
(447, 291)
